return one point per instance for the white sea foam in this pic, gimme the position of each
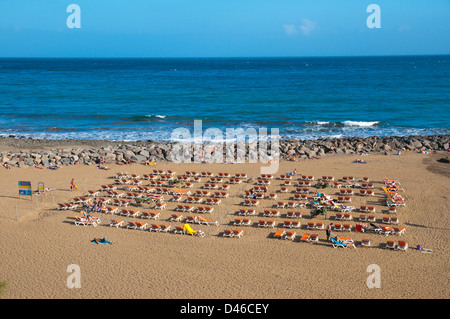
(360, 123)
(157, 116)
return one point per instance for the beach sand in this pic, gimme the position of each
(39, 243)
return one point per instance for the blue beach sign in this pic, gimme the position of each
(25, 188)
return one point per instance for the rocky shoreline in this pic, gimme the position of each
(23, 152)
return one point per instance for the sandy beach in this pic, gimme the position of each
(39, 242)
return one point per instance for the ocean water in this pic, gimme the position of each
(150, 99)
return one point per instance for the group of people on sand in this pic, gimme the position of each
(97, 205)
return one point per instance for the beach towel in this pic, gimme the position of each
(423, 250)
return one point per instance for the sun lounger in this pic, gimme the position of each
(84, 221)
(365, 242)
(390, 244)
(290, 235)
(305, 238)
(398, 231)
(111, 210)
(155, 227)
(165, 228)
(151, 215)
(383, 230)
(204, 221)
(176, 218)
(347, 227)
(179, 230)
(190, 231)
(281, 204)
(132, 225)
(279, 234)
(402, 245)
(227, 233)
(116, 223)
(141, 225)
(160, 206)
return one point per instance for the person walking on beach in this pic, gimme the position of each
(328, 230)
(73, 185)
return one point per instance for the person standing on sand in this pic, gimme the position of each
(328, 230)
(73, 185)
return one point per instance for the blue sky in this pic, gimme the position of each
(225, 28)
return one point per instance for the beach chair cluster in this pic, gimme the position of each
(271, 213)
(386, 230)
(204, 209)
(185, 208)
(315, 225)
(157, 228)
(287, 235)
(390, 220)
(266, 223)
(247, 212)
(149, 177)
(304, 183)
(67, 206)
(291, 224)
(81, 200)
(346, 192)
(160, 206)
(201, 220)
(302, 190)
(194, 199)
(400, 245)
(122, 202)
(251, 202)
(137, 225)
(343, 216)
(210, 186)
(342, 227)
(129, 212)
(139, 189)
(294, 214)
(156, 183)
(393, 199)
(203, 193)
(114, 194)
(236, 180)
(233, 233)
(93, 193)
(213, 192)
(242, 222)
(216, 180)
(310, 238)
(151, 215)
(327, 179)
